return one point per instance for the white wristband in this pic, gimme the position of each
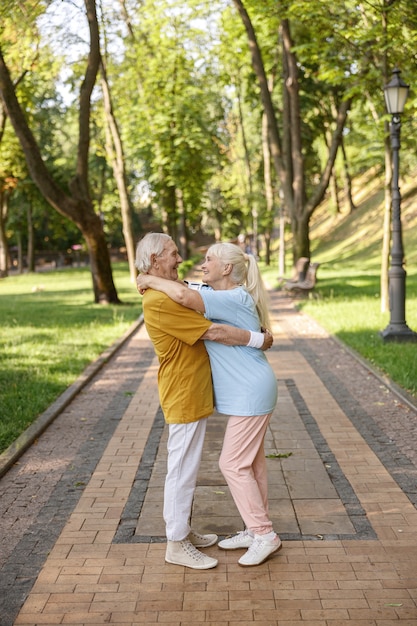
(256, 340)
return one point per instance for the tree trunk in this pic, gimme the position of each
(287, 158)
(4, 250)
(182, 224)
(258, 66)
(169, 201)
(347, 180)
(295, 200)
(118, 164)
(249, 176)
(31, 240)
(20, 261)
(4, 209)
(77, 207)
(281, 254)
(334, 191)
(292, 88)
(301, 243)
(269, 190)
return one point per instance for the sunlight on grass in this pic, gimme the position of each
(347, 304)
(51, 330)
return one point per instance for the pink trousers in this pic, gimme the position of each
(243, 464)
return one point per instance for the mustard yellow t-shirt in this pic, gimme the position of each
(184, 376)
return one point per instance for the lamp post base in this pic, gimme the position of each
(399, 333)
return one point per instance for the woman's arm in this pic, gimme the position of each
(177, 291)
(232, 336)
(191, 299)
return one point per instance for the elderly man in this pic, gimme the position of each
(186, 393)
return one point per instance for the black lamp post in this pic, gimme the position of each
(396, 93)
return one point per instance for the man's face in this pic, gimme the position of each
(165, 265)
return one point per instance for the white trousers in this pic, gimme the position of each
(185, 448)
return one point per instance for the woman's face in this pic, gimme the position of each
(213, 270)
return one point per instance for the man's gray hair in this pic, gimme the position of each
(152, 243)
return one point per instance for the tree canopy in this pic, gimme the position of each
(200, 118)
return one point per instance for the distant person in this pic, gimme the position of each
(245, 386)
(186, 392)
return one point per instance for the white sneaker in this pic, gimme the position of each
(184, 553)
(243, 539)
(259, 551)
(202, 541)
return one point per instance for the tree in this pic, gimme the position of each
(174, 113)
(287, 153)
(75, 203)
(116, 153)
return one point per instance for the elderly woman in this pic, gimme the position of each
(244, 384)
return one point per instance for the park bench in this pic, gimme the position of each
(300, 270)
(305, 285)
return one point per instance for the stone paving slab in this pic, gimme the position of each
(342, 470)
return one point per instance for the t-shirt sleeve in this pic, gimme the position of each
(184, 324)
(219, 305)
(233, 306)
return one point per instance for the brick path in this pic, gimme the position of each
(82, 534)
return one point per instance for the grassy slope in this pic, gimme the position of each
(347, 297)
(354, 241)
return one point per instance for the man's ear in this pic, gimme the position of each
(154, 261)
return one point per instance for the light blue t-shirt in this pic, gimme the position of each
(243, 380)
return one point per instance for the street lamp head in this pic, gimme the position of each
(396, 92)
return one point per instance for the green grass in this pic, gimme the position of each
(349, 307)
(50, 331)
(346, 300)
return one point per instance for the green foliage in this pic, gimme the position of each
(188, 105)
(175, 104)
(346, 300)
(348, 306)
(346, 303)
(176, 72)
(50, 332)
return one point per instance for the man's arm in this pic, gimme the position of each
(232, 336)
(176, 290)
(191, 299)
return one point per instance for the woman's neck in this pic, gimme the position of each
(223, 284)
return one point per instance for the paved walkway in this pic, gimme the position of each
(82, 535)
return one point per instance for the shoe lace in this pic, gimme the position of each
(192, 551)
(256, 546)
(241, 535)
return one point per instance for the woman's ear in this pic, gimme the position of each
(227, 269)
